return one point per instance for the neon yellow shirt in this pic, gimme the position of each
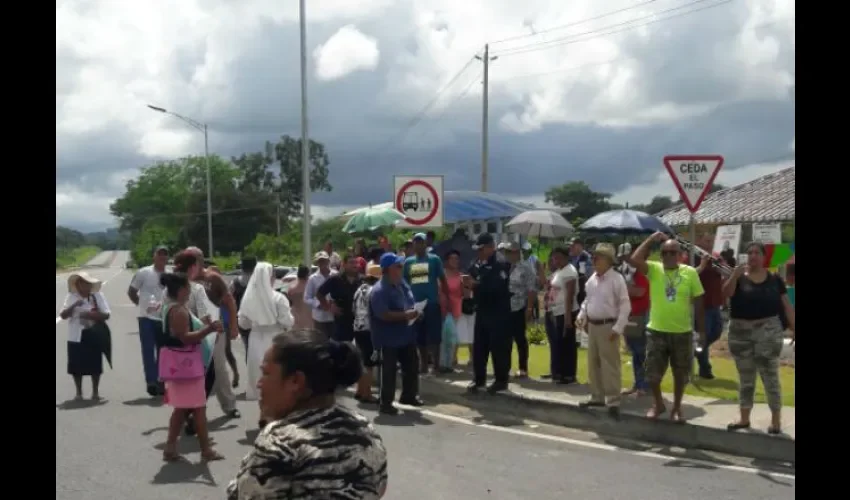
(672, 313)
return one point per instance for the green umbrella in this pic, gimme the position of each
(372, 218)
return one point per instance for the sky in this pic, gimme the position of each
(591, 90)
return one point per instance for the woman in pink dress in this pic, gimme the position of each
(300, 310)
(451, 307)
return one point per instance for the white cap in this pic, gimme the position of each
(526, 246)
(624, 249)
(500, 246)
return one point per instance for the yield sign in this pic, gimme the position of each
(693, 176)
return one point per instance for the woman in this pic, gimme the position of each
(184, 395)
(301, 311)
(758, 298)
(312, 447)
(84, 306)
(451, 305)
(266, 313)
(363, 334)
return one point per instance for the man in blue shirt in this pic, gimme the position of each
(390, 314)
(424, 273)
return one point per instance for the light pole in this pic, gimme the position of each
(202, 127)
(305, 144)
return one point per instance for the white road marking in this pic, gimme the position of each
(58, 319)
(590, 444)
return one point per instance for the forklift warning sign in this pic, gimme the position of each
(420, 198)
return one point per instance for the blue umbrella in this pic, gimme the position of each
(624, 222)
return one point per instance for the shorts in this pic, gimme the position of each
(673, 349)
(429, 328)
(363, 340)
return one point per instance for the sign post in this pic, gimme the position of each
(693, 176)
(420, 199)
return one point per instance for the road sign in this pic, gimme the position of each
(693, 176)
(420, 198)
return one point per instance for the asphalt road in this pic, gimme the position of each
(112, 450)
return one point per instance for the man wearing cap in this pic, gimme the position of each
(146, 293)
(489, 276)
(523, 289)
(604, 314)
(424, 273)
(323, 318)
(391, 314)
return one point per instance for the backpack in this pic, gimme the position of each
(238, 291)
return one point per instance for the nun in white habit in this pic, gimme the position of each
(266, 313)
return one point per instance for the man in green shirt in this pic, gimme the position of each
(675, 295)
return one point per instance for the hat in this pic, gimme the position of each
(160, 248)
(82, 275)
(526, 246)
(605, 250)
(420, 237)
(321, 255)
(373, 271)
(483, 239)
(390, 259)
(510, 246)
(500, 246)
(576, 240)
(624, 249)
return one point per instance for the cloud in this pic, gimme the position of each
(346, 51)
(591, 96)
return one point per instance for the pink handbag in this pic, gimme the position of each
(180, 363)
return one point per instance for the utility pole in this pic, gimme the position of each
(305, 136)
(485, 117)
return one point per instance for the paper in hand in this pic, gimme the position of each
(420, 308)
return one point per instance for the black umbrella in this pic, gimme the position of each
(624, 222)
(460, 243)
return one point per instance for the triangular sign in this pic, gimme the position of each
(693, 176)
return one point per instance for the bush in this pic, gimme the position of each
(536, 334)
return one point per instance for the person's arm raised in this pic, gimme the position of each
(642, 253)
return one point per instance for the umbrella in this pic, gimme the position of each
(540, 223)
(624, 222)
(372, 218)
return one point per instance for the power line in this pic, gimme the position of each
(456, 98)
(576, 23)
(614, 28)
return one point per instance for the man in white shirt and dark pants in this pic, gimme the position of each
(146, 293)
(323, 318)
(604, 314)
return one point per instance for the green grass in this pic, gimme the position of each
(75, 257)
(724, 386)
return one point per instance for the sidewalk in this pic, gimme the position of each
(553, 404)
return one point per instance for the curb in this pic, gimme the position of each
(746, 444)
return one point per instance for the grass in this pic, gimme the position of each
(724, 386)
(75, 257)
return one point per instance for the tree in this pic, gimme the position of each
(581, 201)
(657, 204)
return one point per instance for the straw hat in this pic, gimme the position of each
(605, 250)
(374, 271)
(82, 275)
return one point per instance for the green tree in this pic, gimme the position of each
(579, 199)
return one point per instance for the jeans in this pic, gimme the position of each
(148, 330)
(713, 330)
(637, 346)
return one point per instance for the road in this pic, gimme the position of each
(112, 450)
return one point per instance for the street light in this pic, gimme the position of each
(202, 127)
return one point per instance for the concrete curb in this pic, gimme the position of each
(747, 444)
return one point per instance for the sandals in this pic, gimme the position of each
(211, 456)
(170, 456)
(370, 399)
(736, 426)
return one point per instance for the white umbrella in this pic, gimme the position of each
(540, 223)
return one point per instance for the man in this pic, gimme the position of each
(146, 293)
(238, 288)
(712, 301)
(561, 312)
(341, 287)
(523, 288)
(604, 315)
(391, 314)
(635, 333)
(535, 264)
(674, 292)
(424, 273)
(489, 277)
(219, 295)
(406, 249)
(580, 259)
(430, 238)
(323, 318)
(333, 257)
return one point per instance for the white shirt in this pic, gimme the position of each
(198, 302)
(284, 317)
(313, 283)
(76, 325)
(607, 298)
(557, 296)
(146, 282)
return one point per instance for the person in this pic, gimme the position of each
(712, 302)
(266, 313)
(535, 264)
(391, 314)
(604, 315)
(219, 295)
(341, 288)
(323, 318)
(424, 273)
(561, 309)
(333, 258)
(582, 262)
(146, 293)
(313, 447)
(237, 289)
(635, 332)
(83, 307)
(301, 311)
(363, 334)
(452, 309)
(185, 331)
(430, 240)
(675, 299)
(523, 289)
(406, 248)
(489, 277)
(757, 299)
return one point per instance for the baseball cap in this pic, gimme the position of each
(390, 259)
(624, 249)
(576, 240)
(483, 239)
(420, 236)
(526, 246)
(160, 248)
(510, 246)
(321, 255)
(501, 245)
